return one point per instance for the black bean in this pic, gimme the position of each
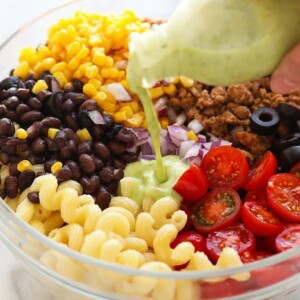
(4, 157)
(112, 187)
(71, 121)
(106, 174)
(23, 93)
(12, 92)
(29, 84)
(118, 174)
(13, 171)
(38, 146)
(129, 157)
(53, 105)
(125, 135)
(74, 169)
(68, 105)
(77, 98)
(64, 174)
(7, 127)
(22, 147)
(12, 102)
(52, 83)
(3, 95)
(22, 109)
(89, 105)
(109, 121)
(21, 84)
(25, 179)
(12, 115)
(35, 159)
(34, 130)
(44, 74)
(98, 163)
(34, 103)
(30, 117)
(84, 120)
(78, 85)
(43, 95)
(3, 110)
(2, 193)
(90, 184)
(102, 151)
(103, 198)
(84, 147)
(71, 145)
(68, 89)
(60, 140)
(33, 197)
(118, 164)
(51, 122)
(48, 164)
(116, 148)
(87, 163)
(71, 135)
(9, 82)
(96, 132)
(11, 186)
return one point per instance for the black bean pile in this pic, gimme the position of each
(96, 164)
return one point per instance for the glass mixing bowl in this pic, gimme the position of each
(71, 275)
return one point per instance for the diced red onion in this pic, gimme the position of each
(164, 147)
(140, 133)
(96, 117)
(201, 138)
(165, 82)
(119, 92)
(177, 134)
(171, 114)
(147, 156)
(156, 84)
(195, 125)
(131, 147)
(147, 148)
(181, 118)
(225, 143)
(185, 147)
(163, 132)
(161, 107)
(121, 64)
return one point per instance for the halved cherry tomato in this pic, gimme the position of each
(288, 238)
(225, 166)
(186, 208)
(216, 210)
(258, 196)
(296, 169)
(255, 255)
(198, 241)
(259, 220)
(283, 194)
(261, 172)
(236, 236)
(192, 184)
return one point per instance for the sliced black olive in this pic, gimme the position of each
(286, 142)
(289, 157)
(289, 112)
(10, 82)
(264, 121)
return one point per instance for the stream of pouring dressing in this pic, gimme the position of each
(218, 42)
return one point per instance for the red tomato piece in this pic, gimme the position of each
(235, 236)
(225, 166)
(192, 184)
(187, 210)
(283, 194)
(288, 238)
(249, 257)
(296, 169)
(258, 196)
(259, 220)
(261, 172)
(216, 210)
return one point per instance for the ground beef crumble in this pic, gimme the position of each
(225, 111)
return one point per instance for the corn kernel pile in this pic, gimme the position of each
(94, 49)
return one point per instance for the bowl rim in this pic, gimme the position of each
(6, 213)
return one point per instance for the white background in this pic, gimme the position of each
(15, 284)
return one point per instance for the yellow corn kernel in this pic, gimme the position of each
(40, 85)
(48, 63)
(108, 107)
(113, 73)
(22, 70)
(120, 116)
(90, 90)
(68, 74)
(61, 78)
(156, 92)
(26, 53)
(135, 121)
(71, 31)
(95, 40)
(95, 82)
(170, 89)
(104, 73)
(128, 111)
(135, 107)
(91, 72)
(100, 98)
(109, 62)
(73, 48)
(59, 67)
(83, 135)
(52, 132)
(21, 134)
(186, 82)
(164, 122)
(192, 136)
(24, 165)
(83, 53)
(110, 30)
(56, 167)
(44, 51)
(99, 58)
(73, 64)
(175, 80)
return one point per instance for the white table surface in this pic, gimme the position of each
(15, 283)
